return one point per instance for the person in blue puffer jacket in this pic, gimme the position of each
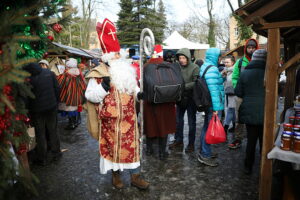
(214, 81)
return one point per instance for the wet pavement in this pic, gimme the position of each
(76, 176)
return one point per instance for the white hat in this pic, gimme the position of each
(44, 62)
(72, 63)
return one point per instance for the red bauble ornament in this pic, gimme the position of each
(16, 134)
(50, 37)
(45, 55)
(57, 28)
(26, 120)
(7, 89)
(1, 52)
(18, 117)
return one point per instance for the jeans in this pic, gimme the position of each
(254, 132)
(191, 112)
(238, 134)
(132, 171)
(46, 122)
(205, 149)
(230, 116)
(135, 171)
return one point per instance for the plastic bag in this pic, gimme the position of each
(32, 138)
(215, 133)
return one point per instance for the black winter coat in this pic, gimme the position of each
(44, 87)
(250, 88)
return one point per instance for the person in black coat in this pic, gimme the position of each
(250, 88)
(43, 111)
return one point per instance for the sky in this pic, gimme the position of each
(176, 10)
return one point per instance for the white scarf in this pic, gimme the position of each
(73, 71)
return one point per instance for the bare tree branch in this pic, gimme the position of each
(230, 5)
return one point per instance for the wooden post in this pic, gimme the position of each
(290, 78)
(290, 86)
(270, 112)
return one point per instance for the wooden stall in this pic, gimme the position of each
(237, 52)
(59, 52)
(279, 21)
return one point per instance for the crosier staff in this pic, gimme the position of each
(147, 43)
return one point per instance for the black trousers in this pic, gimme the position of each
(254, 132)
(46, 122)
(162, 143)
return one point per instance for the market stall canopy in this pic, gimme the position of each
(177, 41)
(76, 51)
(267, 14)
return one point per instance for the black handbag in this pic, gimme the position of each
(229, 90)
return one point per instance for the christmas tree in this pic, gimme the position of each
(24, 37)
(135, 15)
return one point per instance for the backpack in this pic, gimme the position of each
(163, 82)
(201, 94)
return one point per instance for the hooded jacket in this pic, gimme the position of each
(228, 82)
(214, 79)
(189, 72)
(245, 62)
(44, 87)
(251, 89)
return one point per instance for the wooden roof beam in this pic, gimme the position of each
(242, 13)
(289, 63)
(265, 10)
(284, 24)
(258, 22)
(288, 31)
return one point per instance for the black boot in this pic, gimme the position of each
(69, 126)
(72, 123)
(78, 119)
(226, 128)
(149, 148)
(162, 142)
(232, 128)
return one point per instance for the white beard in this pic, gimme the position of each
(123, 76)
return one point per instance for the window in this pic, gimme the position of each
(236, 32)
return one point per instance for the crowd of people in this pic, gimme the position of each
(111, 86)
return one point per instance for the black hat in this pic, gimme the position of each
(251, 43)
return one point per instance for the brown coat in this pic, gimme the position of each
(93, 123)
(159, 119)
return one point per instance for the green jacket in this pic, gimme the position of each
(189, 72)
(236, 70)
(246, 59)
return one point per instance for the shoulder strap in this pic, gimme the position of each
(240, 63)
(207, 68)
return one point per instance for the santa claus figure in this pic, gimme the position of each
(72, 86)
(112, 87)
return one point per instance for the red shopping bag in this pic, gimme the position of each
(215, 133)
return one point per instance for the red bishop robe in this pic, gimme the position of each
(119, 135)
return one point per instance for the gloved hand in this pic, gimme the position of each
(140, 95)
(106, 83)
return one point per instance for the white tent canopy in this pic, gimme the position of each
(177, 41)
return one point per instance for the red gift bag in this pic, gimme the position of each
(215, 133)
